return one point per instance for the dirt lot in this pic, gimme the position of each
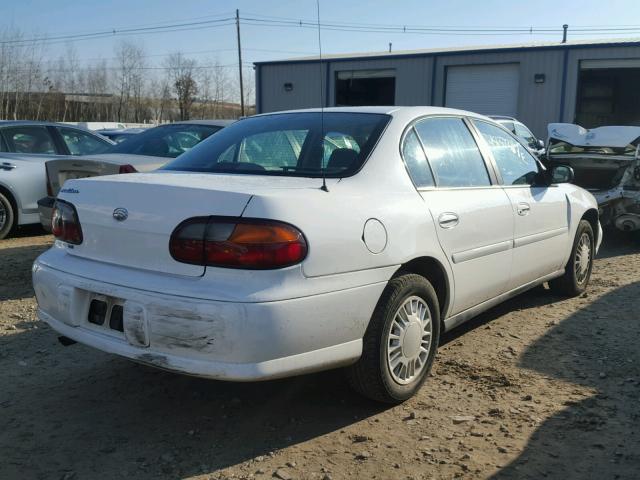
(540, 387)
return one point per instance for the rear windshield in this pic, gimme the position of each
(290, 144)
(166, 140)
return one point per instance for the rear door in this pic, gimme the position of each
(473, 216)
(540, 212)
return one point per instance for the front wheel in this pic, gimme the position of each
(400, 343)
(7, 216)
(578, 269)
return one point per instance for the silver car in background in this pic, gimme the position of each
(24, 148)
(142, 152)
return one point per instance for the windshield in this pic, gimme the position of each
(288, 144)
(166, 140)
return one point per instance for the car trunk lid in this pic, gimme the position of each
(156, 203)
(61, 170)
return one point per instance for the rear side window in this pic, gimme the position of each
(516, 165)
(452, 153)
(83, 143)
(416, 161)
(29, 139)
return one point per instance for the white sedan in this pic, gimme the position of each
(307, 240)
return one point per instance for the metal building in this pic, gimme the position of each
(590, 83)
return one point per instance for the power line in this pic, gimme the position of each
(126, 31)
(214, 21)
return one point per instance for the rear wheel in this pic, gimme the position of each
(400, 343)
(578, 269)
(7, 216)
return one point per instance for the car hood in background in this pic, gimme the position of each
(615, 137)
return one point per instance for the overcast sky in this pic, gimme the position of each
(51, 18)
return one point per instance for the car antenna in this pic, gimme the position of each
(324, 187)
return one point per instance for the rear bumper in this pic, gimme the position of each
(213, 339)
(45, 210)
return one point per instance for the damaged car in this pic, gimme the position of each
(300, 241)
(606, 162)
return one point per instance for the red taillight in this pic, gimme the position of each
(65, 225)
(127, 169)
(237, 243)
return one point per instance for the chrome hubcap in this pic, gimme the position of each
(409, 340)
(583, 258)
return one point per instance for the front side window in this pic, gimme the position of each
(516, 165)
(29, 139)
(525, 134)
(509, 126)
(291, 144)
(416, 161)
(452, 153)
(83, 143)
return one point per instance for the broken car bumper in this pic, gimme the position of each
(213, 339)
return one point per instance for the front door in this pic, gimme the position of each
(541, 228)
(473, 216)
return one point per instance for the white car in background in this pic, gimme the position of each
(520, 130)
(142, 152)
(307, 240)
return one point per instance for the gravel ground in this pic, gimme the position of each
(540, 387)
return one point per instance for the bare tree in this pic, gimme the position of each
(129, 82)
(181, 75)
(160, 99)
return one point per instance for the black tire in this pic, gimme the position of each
(7, 216)
(574, 283)
(371, 374)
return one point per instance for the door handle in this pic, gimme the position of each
(524, 209)
(7, 166)
(448, 220)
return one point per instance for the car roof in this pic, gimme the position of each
(389, 110)
(503, 118)
(6, 123)
(213, 123)
(125, 131)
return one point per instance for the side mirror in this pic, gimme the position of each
(540, 143)
(561, 174)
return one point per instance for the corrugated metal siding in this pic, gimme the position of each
(573, 67)
(306, 79)
(538, 104)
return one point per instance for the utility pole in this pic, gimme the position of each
(390, 45)
(564, 33)
(240, 62)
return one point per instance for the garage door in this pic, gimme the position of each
(486, 89)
